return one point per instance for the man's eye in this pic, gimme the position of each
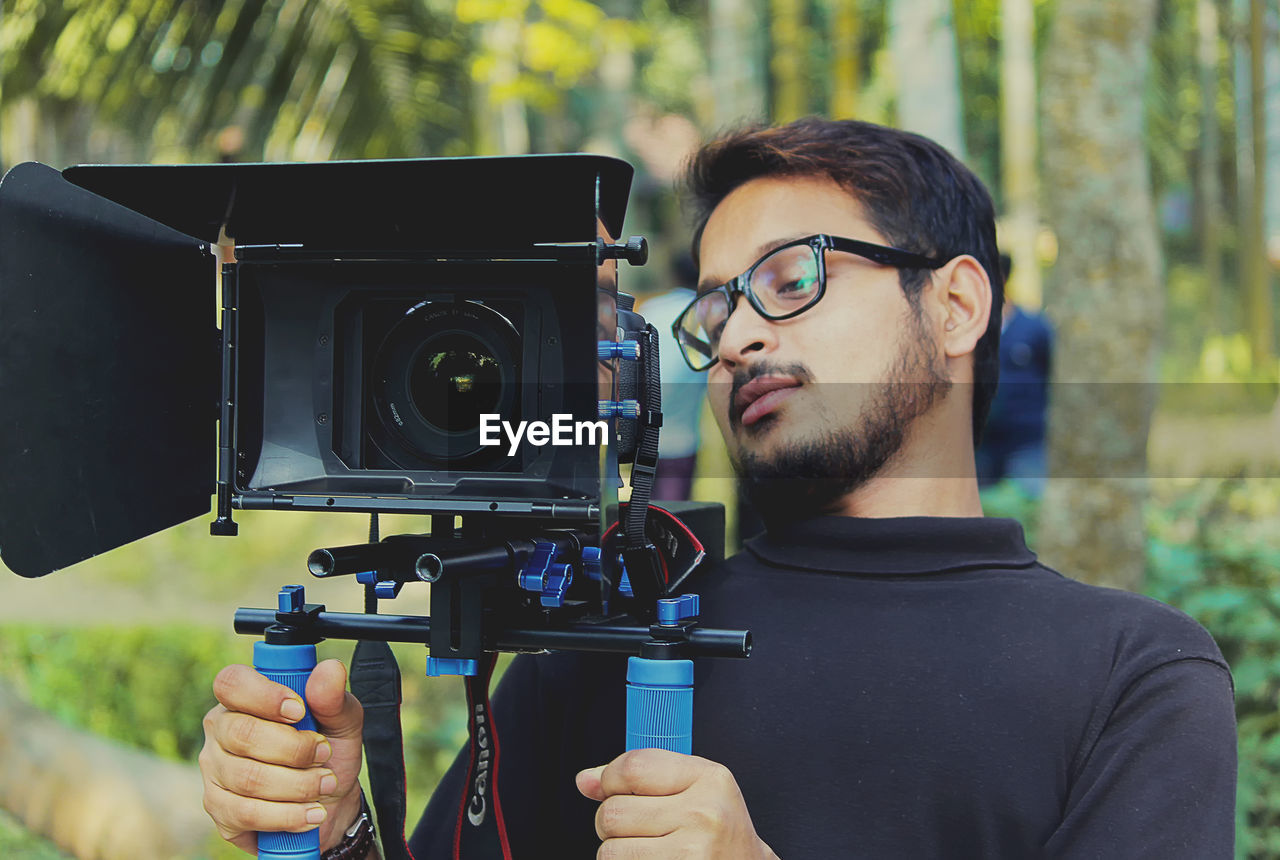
(797, 288)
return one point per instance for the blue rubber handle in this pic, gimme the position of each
(660, 704)
(290, 665)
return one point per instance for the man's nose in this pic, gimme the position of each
(745, 333)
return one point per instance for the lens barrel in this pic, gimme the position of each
(440, 367)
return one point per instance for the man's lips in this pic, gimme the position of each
(761, 396)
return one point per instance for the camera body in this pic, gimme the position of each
(370, 315)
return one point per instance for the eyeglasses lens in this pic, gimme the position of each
(783, 283)
(700, 328)
(786, 281)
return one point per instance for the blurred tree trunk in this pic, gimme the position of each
(736, 61)
(789, 91)
(1209, 187)
(922, 41)
(1271, 217)
(97, 800)
(617, 71)
(1018, 147)
(503, 119)
(844, 59)
(1106, 299)
(1258, 306)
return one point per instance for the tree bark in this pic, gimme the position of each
(1210, 157)
(922, 41)
(1106, 299)
(1259, 313)
(844, 60)
(97, 800)
(736, 61)
(1018, 148)
(789, 100)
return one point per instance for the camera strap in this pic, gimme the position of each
(649, 425)
(375, 681)
(646, 569)
(481, 831)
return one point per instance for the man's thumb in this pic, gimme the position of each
(337, 713)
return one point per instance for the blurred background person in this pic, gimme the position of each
(1013, 444)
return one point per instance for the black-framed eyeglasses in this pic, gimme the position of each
(782, 284)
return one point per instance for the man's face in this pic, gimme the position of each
(812, 407)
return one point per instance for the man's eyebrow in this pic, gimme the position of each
(708, 284)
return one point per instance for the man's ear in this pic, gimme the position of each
(964, 296)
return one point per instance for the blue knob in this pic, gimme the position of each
(673, 611)
(440, 666)
(618, 409)
(591, 563)
(384, 589)
(291, 598)
(628, 349)
(546, 576)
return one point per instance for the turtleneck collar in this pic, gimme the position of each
(899, 545)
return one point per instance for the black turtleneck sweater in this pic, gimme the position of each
(919, 688)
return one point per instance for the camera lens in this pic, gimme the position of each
(455, 378)
(441, 366)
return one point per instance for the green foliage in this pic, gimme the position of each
(145, 687)
(1007, 499)
(301, 80)
(18, 843)
(1204, 372)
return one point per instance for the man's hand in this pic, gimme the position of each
(262, 774)
(659, 804)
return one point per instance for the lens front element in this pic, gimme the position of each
(442, 366)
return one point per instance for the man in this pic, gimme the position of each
(921, 687)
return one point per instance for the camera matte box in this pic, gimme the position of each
(111, 365)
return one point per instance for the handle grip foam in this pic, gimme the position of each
(660, 704)
(290, 665)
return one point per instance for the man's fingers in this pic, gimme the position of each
(338, 713)
(243, 689)
(651, 772)
(235, 814)
(626, 815)
(249, 778)
(272, 743)
(642, 848)
(588, 782)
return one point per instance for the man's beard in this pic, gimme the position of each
(809, 478)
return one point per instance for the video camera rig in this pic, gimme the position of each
(371, 313)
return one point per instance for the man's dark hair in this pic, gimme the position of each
(915, 193)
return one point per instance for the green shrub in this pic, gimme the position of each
(146, 687)
(17, 842)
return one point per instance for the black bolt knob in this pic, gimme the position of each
(635, 251)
